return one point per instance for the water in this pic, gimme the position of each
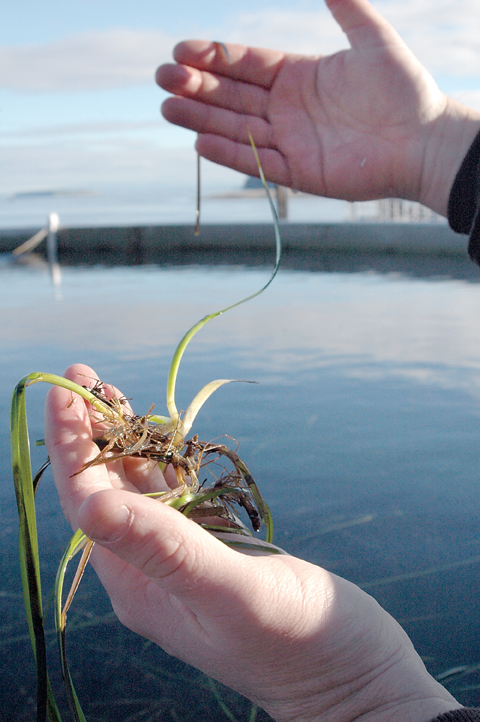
(362, 435)
(130, 206)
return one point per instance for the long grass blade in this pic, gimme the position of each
(28, 550)
(262, 505)
(174, 366)
(78, 542)
(198, 402)
(82, 391)
(25, 488)
(216, 693)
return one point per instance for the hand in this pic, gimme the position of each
(299, 641)
(364, 123)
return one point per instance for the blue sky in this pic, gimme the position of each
(79, 107)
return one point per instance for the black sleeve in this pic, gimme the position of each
(464, 201)
(465, 714)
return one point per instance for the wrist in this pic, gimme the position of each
(449, 140)
(395, 696)
(398, 694)
(363, 668)
(405, 692)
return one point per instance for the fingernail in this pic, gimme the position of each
(112, 527)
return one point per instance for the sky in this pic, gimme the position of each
(79, 107)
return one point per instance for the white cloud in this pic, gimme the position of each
(85, 129)
(292, 31)
(121, 161)
(104, 161)
(442, 33)
(88, 61)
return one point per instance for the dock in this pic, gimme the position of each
(172, 243)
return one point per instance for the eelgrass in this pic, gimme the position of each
(234, 489)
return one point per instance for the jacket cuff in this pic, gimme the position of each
(466, 714)
(464, 200)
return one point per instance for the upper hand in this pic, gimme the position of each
(368, 122)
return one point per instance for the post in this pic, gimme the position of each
(52, 250)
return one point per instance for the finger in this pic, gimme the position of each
(68, 435)
(172, 582)
(362, 24)
(163, 545)
(207, 119)
(240, 157)
(213, 89)
(189, 592)
(145, 475)
(258, 66)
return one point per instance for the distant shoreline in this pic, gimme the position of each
(50, 194)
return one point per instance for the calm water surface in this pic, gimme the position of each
(147, 205)
(362, 434)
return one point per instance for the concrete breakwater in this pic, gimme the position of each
(145, 244)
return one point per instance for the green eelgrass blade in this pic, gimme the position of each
(77, 542)
(28, 550)
(25, 487)
(55, 380)
(39, 474)
(226, 711)
(260, 502)
(179, 351)
(198, 402)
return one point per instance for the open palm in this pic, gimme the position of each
(353, 125)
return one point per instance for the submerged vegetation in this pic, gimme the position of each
(217, 502)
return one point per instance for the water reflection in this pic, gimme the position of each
(363, 435)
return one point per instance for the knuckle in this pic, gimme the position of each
(162, 559)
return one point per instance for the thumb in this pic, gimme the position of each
(162, 544)
(362, 24)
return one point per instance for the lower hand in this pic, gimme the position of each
(297, 640)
